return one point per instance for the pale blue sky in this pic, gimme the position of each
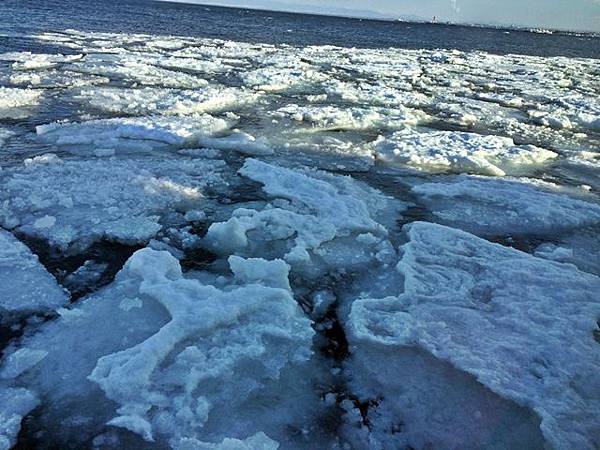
(567, 14)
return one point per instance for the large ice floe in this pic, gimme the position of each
(316, 222)
(483, 347)
(490, 206)
(77, 202)
(459, 152)
(256, 242)
(174, 359)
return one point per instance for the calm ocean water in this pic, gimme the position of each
(162, 18)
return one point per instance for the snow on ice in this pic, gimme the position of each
(291, 280)
(477, 340)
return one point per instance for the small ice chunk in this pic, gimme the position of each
(14, 405)
(104, 152)
(21, 361)
(239, 141)
(48, 158)
(16, 98)
(554, 252)
(44, 222)
(194, 216)
(25, 285)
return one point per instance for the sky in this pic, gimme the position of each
(561, 14)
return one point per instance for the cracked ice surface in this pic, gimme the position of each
(183, 361)
(81, 201)
(495, 313)
(283, 298)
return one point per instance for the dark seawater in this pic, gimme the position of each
(163, 18)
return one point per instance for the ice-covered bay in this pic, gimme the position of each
(291, 278)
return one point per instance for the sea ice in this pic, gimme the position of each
(188, 363)
(314, 221)
(16, 98)
(14, 405)
(25, 285)
(472, 352)
(333, 118)
(295, 78)
(148, 100)
(492, 207)
(135, 69)
(36, 61)
(71, 202)
(142, 132)
(450, 151)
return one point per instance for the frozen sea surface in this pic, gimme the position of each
(262, 243)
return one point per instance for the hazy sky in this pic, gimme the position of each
(569, 14)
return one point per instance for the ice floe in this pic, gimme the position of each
(134, 133)
(315, 221)
(472, 352)
(25, 285)
(332, 118)
(189, 364)
(491, 206)
(16, 98)
(14, 405)
(70, 202)
(36, 61)
(448, 151)
(134, 69)
(146, 101)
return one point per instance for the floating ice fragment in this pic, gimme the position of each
(25, 285)
(335, 118)
(21, 361)
(177, 356)
(259, 441)
(82, 201)
(500, 318)
(152, 131)
(16, 98)
(492, 206)
(459, 152)
(313, 225)
(14, 405)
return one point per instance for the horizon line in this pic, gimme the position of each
(384, 18)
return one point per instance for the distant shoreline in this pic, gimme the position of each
(407, 20)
